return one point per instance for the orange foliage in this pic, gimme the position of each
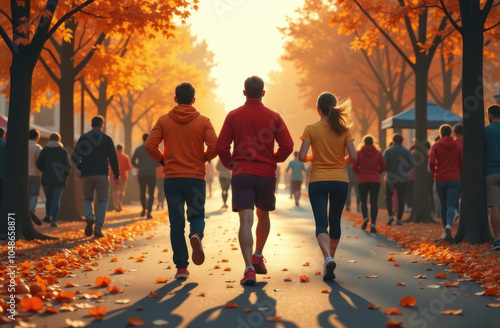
(97, 311)
(408, 301)
(102, 281)
(32, 304)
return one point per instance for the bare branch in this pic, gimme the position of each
(49, 70)
(450, 18)
(67, 16)
(53, 56)
(5, 14)
(144, 112)
(486, 10)
(89, 55)
(93, 15)
(7, 40)
(492, 27)
(89, 92)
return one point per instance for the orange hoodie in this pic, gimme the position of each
(185, 133)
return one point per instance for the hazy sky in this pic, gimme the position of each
(244, 38)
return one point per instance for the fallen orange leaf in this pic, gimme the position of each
(231, 305)
(50, 310)
(247, 310)
(440, 275)
(408, 301)
(70, 284)
(97, 311)
(305, 264)
(380, 245)
(201, 294)
(95, 263)
(227, 269)
(392, 311)
(65, 296)
(32, 304)
(451, 284)
(317, 273)
(273, 319)
(153, 295)
(114, 259)
(118, 270)
(374, 307)
(392, 258)
(326, 291)
(284, 269)
(160, 280)
(88, 268)
(401, 283)
(304, 278)
(491, 291)
(165, 250)
(287, 279)
(397, 264)
(452, 312)
(114, 290)
(135, 322)
(224, 260)
(102, 281)
(392, 323)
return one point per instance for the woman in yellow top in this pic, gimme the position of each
(328, 180)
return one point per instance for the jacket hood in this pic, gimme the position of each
(369, 150)
(447, 142)
(183, 113)
(54, 144)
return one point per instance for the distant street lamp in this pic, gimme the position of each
(497, 97)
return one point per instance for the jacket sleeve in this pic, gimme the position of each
(40, 161)
(432, 160)
(76, 157)
(113, 159)
(128, 165)
(223, 145)
(284, 140)
(381, 164)
(210, 141)
(155, 138)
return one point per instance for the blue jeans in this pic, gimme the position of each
(100, 185)
(52, 203)
(448, 192)
(35, 183)
(319, 194)
(180, 192)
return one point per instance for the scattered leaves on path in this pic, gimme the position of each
(408, 301)
(392, 311)
(135, 322)
(452, 312)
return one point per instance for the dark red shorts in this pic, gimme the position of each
(251, 190)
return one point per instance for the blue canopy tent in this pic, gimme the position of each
(435, 117)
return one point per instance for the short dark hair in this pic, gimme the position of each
(296, 154)
(54, 136)
(445, 130)
(34, 133)
(184, 93)
(2, 133)
(494, 110)
(254, 86)
(368, 140)
(119, 147)
(145, 137)
(97, 121)
(458, 129)
(398, 139)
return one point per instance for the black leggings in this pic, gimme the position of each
(150, 182)
(372, 188)
(389, 191)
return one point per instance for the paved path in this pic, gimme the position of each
(298, 304)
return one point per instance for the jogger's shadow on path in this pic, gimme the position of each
(264, 307)
(153, 308)
(349, 310)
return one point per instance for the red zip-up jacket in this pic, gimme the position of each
(369, 165)
(253, 128)
(445, 159)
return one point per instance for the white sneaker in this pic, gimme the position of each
(328, 271)
(443, 235)
(447, 230)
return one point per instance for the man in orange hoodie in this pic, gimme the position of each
(185, 133)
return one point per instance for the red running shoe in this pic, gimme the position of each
(258, 264)
(249, 278)
(182, 273)
(198, 256)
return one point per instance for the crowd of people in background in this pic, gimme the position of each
(182, 170)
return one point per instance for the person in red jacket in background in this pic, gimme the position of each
(445, 163)
(369, 165)
(119, 189)
(253, 128)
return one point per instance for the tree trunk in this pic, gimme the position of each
(15, 188)
(69, 210)
(421, 211)
(127, 130)
(103, 102)
(473, 226)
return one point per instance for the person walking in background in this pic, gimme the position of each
(160, 196)
(210, 177)
(94, 153)
(225, 182)
(55, 165)
(146, 176)
(118, 190)
(296, 167)
(492, 170)
(353, 184)
(445, 163)
(34, 174)
(398, 161)
(369, 165)
(328, 180)
(458, 132)
(253, 128)
(184, 133)
(2, 160)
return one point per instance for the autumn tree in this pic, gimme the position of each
(25, 27)
(402, 23)
(473, 19)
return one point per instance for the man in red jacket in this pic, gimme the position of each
(253, 128)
